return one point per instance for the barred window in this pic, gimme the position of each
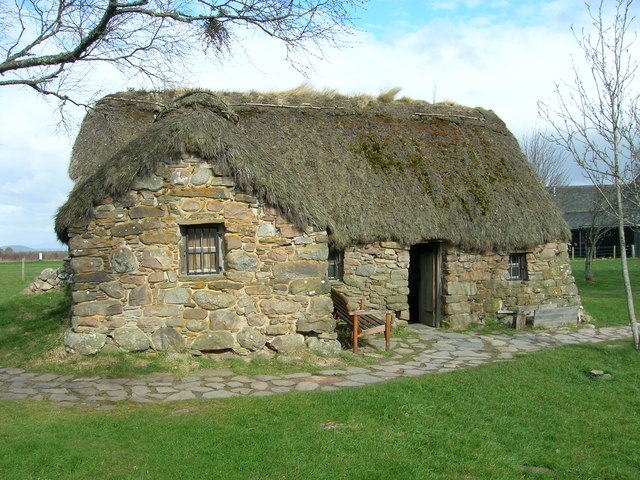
(202, 249)
(335, 264)
(517, 266)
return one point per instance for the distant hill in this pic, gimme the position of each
(18, 248)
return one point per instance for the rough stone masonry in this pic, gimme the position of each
(131, 292)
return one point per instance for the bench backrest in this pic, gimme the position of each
(341, 305)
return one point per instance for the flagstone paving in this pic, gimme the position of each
(431, 352)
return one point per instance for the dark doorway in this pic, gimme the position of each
(424, 284)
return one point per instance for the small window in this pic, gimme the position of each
(202, 249)
(335, 267)
(517, 266)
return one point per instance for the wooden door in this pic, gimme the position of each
(424, 284)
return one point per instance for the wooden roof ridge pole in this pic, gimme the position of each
(136, 100)
(253, 104)
(418, 114)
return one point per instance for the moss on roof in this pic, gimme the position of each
(366, 170)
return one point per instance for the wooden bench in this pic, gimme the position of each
(363, 322)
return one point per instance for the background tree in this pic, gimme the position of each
(546, 157)
(593, 233)
(596, 116)
(41, 40)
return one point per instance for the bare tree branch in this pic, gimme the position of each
(546, 158)
(595, 118)
(40, 40)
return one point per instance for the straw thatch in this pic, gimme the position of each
(362, 168)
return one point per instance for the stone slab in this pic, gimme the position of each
(555, 317)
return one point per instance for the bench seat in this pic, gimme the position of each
(363, 322)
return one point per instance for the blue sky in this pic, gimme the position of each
(503, 55)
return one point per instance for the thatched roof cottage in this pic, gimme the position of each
(220, 221)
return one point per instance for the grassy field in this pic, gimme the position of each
(538, 417)
(11, 276)
(604, 299)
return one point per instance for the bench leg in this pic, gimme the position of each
(355, 333)
(387, 331)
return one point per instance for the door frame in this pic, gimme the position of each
(433, 283)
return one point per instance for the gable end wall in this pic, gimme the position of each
(130, 293)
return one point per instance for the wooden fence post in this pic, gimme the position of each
(23, 269)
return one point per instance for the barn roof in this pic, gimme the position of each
(585, 206)
(365, 169)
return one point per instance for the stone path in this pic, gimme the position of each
(430, 351)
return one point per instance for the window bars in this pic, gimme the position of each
(335, 264)
(517, 266)
(202, 249)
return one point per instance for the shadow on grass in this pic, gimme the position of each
(31, 325)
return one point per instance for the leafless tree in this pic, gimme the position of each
(593, 233)
(546, 158)
(40, 40)
(595, 117)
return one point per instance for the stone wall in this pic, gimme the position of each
(476, 286)
(51, 279)
(130, 291)
(380, 273)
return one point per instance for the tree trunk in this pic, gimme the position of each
(625, 269)
(588, 262)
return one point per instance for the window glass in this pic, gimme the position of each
(335, 264)
(202, 249)
(517, 266)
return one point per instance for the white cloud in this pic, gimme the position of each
(10, 210)
(475, 60)
(33, 162)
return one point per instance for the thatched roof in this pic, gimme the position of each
(365, 169)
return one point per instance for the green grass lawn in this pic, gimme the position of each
(11, 276)
(538, 417)
(604, 299)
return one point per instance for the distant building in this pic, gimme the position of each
(583, 207)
